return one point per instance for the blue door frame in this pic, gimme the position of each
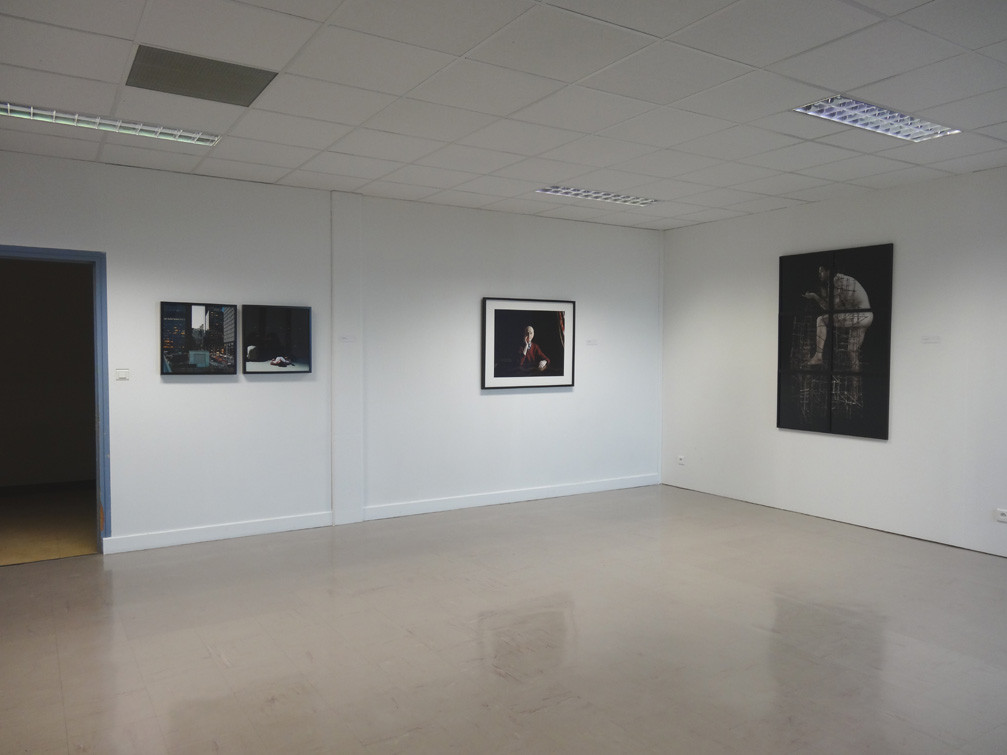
(97, 262)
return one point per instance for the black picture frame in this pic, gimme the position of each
(548, 362)
(198, 338)
(275, 339)
(834, 341)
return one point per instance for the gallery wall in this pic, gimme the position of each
(193, 458)
(941, 474)
(409, 279)
(392, 420)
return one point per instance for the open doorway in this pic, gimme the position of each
(51, 468)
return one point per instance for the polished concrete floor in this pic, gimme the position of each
(47, 521)
(652, 620)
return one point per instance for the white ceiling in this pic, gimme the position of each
(478, 103)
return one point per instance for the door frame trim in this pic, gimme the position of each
(100, 295)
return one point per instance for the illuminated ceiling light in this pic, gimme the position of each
(112, 125)
(874, 118)
(601, 196)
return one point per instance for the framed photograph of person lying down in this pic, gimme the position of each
(198, 339)
(275, 339)
(527, 343)
(834, 341)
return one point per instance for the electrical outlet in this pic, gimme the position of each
(1002, 515)
(681, 459)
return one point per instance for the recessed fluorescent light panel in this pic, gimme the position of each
(601, 196)
(874, 118)
(102, 123)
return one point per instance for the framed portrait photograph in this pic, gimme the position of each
(527, 343)
(198, 339)
(275, 339)
(834, 341)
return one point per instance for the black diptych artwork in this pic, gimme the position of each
(198, 339)
(275, 339)
(835, 341)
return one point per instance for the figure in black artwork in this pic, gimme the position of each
(850, 311)
(531, 356)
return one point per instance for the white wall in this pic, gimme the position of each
(942, 472)
(194, 458)
(392, 420)
(431, 438)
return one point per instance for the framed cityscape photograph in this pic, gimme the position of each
(834, 342)
(527, 343)
(198, 339)
(275, 339)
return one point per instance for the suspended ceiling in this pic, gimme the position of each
(480, 103)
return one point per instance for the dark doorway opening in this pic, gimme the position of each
(48, 467)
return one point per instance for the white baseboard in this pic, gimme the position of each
(431, 505)
(145, 540)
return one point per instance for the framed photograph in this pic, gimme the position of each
(275, 339)
(834, 343)
(198, 339)
(527, 343)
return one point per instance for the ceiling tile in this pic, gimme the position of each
(867, 56)
(428, 175)
(861, 140)
(355, 166)
(599, 151)
(297, 95)
(936, 84)
(499, 186)
(581, 109)
(176, 111)
(972, 163)
(997, 51)
(532, 42)
(484, 88)
(801, 125)
(471, 159)
(381, 144)
(854, 167)
(226, 31)
(546, 171)
(316, 10)
(899, 178)
(288, 129)
(891, 7)
(728, 174)
(737, 141)
(49, 48)
(722, 197)
(240, 171)
(361, 60)
(657, 17)
(944, 148)
(766, 204)
(452, 26)
(799, 156)
(253, 151)
(27, 87)
(972, 112)
(667, 163)
(117, 18)
(518, 137)
(392, 190)
(665, 127)
(829, 191)
(670, 188)
(664, 72)
(760, 32)
(324, 181)
(47, 144)
(783, 184)
(428, 120)
(970, 23)
(754, 95)
(155, 159)
(607, 179)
